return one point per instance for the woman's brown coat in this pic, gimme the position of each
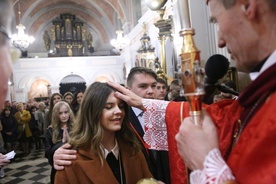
(87, 168)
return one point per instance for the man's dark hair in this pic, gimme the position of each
(138, 70)
(175, 82)
(159, 80)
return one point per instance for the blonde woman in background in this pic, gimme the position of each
(57, 134)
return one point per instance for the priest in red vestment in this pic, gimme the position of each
(237, 141)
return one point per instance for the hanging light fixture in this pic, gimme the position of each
(120, 42)
(21, 40)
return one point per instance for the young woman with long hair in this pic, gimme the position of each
(107, 148)
(55, 98)
(78, 96)
(57, 134)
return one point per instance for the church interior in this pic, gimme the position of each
(60, 46)
(68, 43)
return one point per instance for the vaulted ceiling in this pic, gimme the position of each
(100, 17)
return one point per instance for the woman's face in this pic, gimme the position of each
(69, 99)
(56, 99)
(34, 110)
(7, 112)
(20, 108)
(41, 107)
(79, 97)
(113, 114)
(63, 114)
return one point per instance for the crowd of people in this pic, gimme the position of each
(37, 124)
(93, 140)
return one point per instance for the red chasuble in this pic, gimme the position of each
(253, 158)
(220, 113)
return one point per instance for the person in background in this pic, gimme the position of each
(7, 104)
(161, 89)
(77, 101)
(57, 134)
(2, 143)
(6, 16)
(107, 149)
(55, 98)
(174, 92)
(10, 129)
(231, 84)
(34, 127)
(68, 96)
(13, 108)
(40, 115)
(142, 81)
(41, 121)
(23, 118)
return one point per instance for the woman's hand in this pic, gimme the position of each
(65, 135)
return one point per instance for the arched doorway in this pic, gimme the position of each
(72, 83)
(39, 90)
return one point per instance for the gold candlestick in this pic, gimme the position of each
(192, 75)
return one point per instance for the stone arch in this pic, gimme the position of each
(38, 89)
(27, 80)
(72, 78)
(23, 87)
(72, 83)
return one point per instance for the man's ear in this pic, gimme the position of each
(249, 7)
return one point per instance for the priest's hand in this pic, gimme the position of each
(126, 95)
(194, 142)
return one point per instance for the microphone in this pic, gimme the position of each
(216, 67)
(226, 89)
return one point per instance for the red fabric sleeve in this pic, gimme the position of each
(220, 114)
(177, 166)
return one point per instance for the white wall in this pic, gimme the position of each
(53, 70)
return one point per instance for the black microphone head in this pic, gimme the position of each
(216, 67)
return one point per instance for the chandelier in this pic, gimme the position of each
(21, 40)
(120, 42)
